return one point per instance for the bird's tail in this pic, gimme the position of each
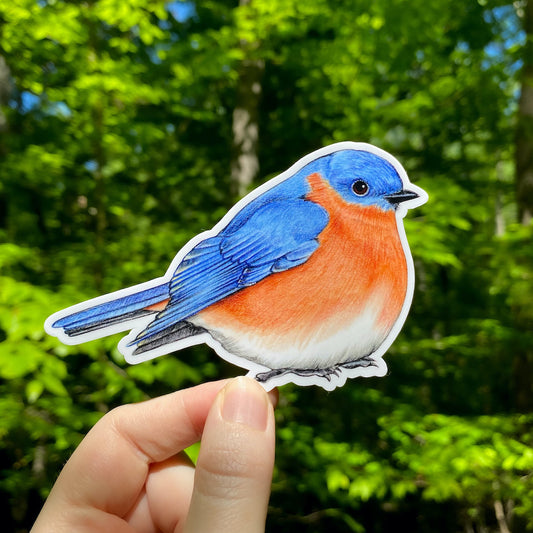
(117, 312)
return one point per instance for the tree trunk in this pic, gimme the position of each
(5, 91)
(99, 157)
(524, 131)
(245, 128)
(523, 360)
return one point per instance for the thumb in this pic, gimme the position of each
(234, 468)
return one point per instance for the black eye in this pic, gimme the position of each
(360, 187)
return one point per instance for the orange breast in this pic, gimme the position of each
(360, 259)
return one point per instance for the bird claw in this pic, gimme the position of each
(364, 362)
(326, 373)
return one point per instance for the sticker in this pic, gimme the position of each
(308, 279)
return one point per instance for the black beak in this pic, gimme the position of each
(400, 196)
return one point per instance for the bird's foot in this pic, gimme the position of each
(263, 377)
(364, 362)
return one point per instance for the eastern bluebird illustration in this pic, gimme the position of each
(307, 279)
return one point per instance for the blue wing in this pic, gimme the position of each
(276, 236)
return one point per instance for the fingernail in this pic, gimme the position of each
(246, 403)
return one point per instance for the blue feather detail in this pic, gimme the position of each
(295, 258)
(277, 235)
(111, 311)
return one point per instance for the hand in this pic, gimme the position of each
(130, 473)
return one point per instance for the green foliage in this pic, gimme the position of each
(116, 151)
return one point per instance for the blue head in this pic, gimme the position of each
(365, 178)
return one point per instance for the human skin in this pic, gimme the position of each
(130, 473)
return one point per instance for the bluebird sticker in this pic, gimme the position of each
(308, 279)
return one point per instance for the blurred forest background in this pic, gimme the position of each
(128, 126)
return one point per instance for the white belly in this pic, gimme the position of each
(328, 346)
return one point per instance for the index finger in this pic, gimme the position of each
(109, 468)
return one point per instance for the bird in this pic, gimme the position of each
(307, 279)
